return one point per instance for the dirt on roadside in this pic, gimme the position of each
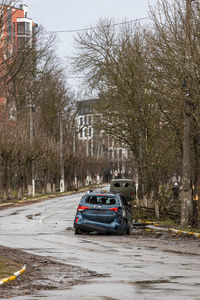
(42, 273)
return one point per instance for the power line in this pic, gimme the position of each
(96, 27)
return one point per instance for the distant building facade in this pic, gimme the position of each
(98, 143)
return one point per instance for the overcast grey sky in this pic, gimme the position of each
(77, 14)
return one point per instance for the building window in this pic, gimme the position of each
(120, 153)
(23, 28)
(85, 132)
(9, 24)
(14, 35)
(81, 120)
(95, 149)
(115, 153)
(21, 41)
(85, 120)
(89, 120)
(110, 154)
(110, 142)
(89, 148)
(81, 132)
(90, 131)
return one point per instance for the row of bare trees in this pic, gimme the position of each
(148, 81)
(37, 97)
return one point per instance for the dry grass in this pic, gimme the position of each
(8, 267)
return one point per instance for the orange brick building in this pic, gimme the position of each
(16, 28)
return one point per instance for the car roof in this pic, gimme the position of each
(122, 180)
(105, 193)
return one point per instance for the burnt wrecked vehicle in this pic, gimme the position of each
(125, 187)
(106, 212)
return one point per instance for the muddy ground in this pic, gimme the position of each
(41, 274)
(45, 273)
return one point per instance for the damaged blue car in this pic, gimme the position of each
(106, 212)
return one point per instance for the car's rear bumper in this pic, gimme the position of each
(88, 225)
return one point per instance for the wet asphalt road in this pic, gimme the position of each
(138, 268)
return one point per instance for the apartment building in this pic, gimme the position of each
(16, 28)
(97, 142)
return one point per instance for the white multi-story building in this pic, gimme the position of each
(98, 143)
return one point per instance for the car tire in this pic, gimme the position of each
(128, 230)
(125, 222)
(78, 231)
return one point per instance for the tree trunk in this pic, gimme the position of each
(186, 194)
(157, 215)
(186, 207)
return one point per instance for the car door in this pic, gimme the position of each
(126, 209)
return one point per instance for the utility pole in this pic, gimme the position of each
(31, 127)
(74, 151)
(62, 169)
(186, 194)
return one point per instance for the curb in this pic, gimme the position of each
(40, 199)
(14, 276)
(195, 234)
(177, 231)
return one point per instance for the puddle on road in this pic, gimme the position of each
(176, 277)
(41, 296)
(70, 229)
(180, 252)
(151, 247)
(14, 213)
(89, 242)
(33, 216)
(150, 282)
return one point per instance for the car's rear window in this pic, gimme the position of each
(100, 200)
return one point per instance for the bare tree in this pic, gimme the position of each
(175, 63)
(116, 62)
